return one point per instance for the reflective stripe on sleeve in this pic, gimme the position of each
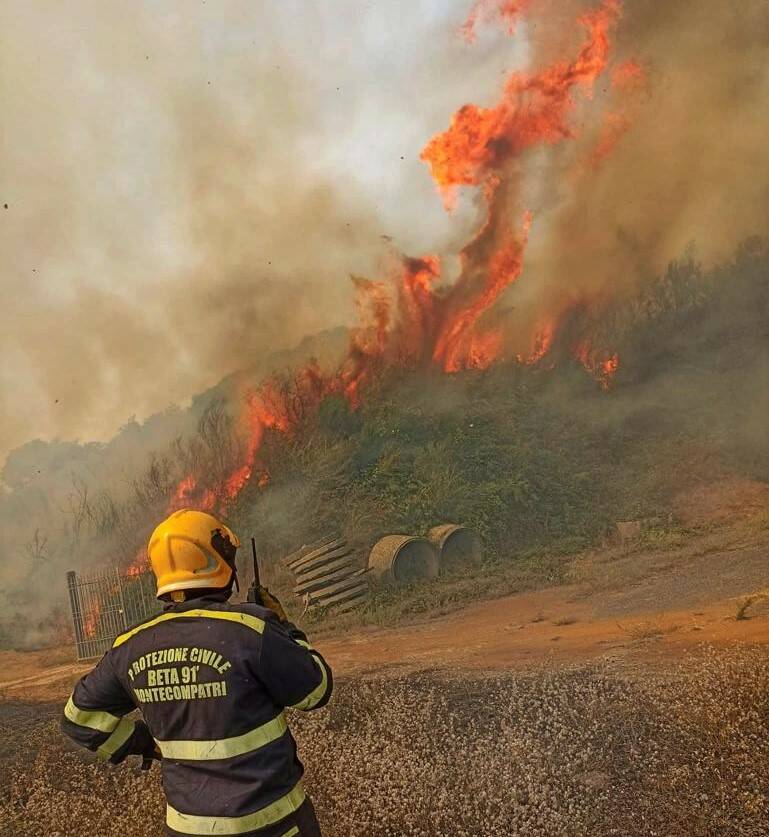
(225, 748)
(122, 733)
(252, 622)
(292, 832)
(319, 692)
(270, 814)
(99, 721)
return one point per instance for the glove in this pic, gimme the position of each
(144, 745)
(148, 758)
(272, 603)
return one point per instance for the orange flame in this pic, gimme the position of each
(533, 110)
(614, 128)
(505, 12)
(601, 368)
(414, 318)
(629, 75)
(483, 349)
(629, 78)
(138, 566)
(91, 621)
(542, 342)
(454, 345)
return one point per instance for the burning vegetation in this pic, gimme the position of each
(511, 381)
(416, 319)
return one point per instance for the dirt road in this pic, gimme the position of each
(545, 627)
(633, 605)
(568, 702)
(629, 606)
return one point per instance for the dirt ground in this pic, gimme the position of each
(631, 701)
(640, 605)
(634, 604)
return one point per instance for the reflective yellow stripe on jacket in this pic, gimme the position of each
(224, 748)
(99, 721)
(319, 692)
(252, 622)
(122, 733)
(119, 729)
(270, 814)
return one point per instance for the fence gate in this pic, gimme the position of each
(107, 603)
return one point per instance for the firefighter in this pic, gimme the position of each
(211, 680)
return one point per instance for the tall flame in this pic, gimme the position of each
(414, 318)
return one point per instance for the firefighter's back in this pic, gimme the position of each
(212, 681)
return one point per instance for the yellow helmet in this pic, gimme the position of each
(192, 550)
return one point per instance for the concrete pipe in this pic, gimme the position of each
(404, 558)
(457, 546)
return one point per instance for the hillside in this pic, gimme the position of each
(538, 457)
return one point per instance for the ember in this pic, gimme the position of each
(505, 12)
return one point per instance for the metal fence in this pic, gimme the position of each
(105, 604)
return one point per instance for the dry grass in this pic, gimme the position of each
(757, 604)
(742, 608)
(648, 629)
(553, 754)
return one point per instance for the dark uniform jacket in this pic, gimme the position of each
(211, 680)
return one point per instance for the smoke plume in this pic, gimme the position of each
(686, 161)
(191, 188)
